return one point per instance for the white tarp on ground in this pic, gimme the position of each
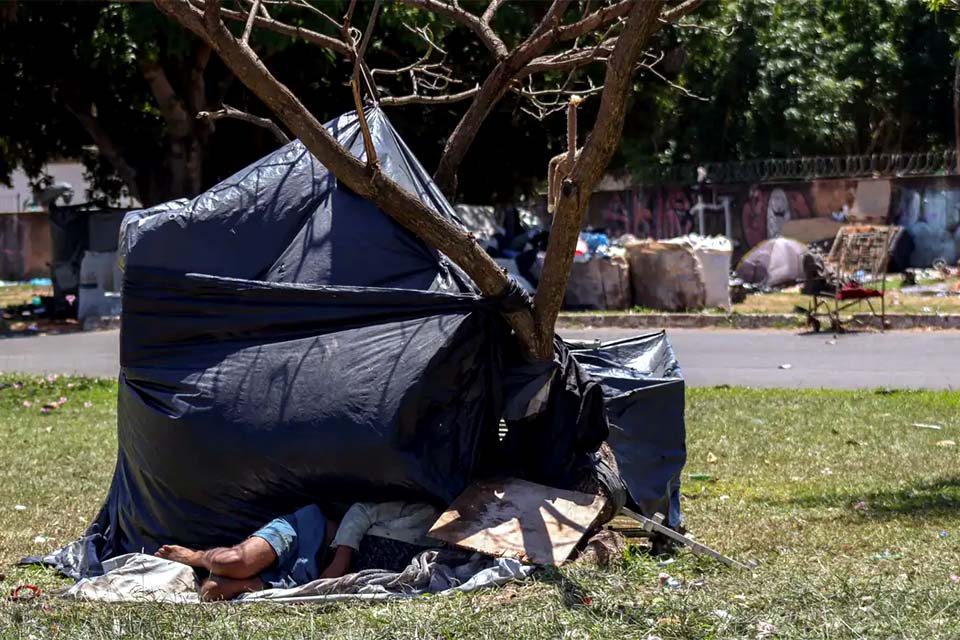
(137, 577)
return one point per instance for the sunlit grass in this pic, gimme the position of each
(851, 512)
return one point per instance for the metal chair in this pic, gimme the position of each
(857, 259)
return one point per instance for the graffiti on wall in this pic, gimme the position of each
(928, 209)
(930, 215)
(649, 213)
(667, 212)
(767, 209)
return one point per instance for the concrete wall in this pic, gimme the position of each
(929, 209)
(24, 246)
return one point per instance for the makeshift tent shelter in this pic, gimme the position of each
(285, 342)
(773, 263)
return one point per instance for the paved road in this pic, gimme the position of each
(908, 359)
(895, 359)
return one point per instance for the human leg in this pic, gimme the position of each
(244, 560)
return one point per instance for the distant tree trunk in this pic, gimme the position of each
(956, 107)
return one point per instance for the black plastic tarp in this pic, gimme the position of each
(284, 342)
(644, 391)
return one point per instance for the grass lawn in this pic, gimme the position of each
(851, 512)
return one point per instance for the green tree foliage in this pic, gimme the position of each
(782, 79)
(75, 78)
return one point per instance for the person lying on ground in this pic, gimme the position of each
(289, 551)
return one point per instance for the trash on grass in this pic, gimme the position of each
(923, 425)
(765, 630)
(946, 443)
(668, 581)
(886, 555)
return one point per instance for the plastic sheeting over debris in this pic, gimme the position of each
(284, 342)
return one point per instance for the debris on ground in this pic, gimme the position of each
(946, 443)
(655, 525)
(603, 548)
(668, 581)
(786, 365)
(514, 518)
(923, 425)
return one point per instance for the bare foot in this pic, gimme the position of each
(180, 554)
(219, 588)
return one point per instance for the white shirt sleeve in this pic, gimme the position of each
(403, 521)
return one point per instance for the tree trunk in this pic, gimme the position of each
(956, 108)
(590, 165)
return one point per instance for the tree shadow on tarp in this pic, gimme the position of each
(939, 497)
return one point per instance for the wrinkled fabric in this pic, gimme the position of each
(429, 572)
(137, 577)
(554, 445)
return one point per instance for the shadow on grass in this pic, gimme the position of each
(927, 499)
(573, 593)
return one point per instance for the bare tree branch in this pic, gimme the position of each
(571, 59)
(371, 152)
(491, 10)
(435, 230)
(348, 16)
(227, 111)
(551, 18)
(453, 11)
(313, 37)
(673, 85)
(499, 81)
(594, 21)
(399, 101)
(682, 9)
(248, 27)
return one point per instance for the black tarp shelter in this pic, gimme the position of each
(283, 342)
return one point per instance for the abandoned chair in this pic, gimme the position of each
(853, 273)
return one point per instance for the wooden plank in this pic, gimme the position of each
(518, 519)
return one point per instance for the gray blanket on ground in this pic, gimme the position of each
(137, 577)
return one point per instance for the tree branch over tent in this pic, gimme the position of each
(393, 199)
(614, 33)
(227, 111)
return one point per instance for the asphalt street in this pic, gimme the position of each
(708, 357)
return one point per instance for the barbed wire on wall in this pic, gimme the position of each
(883, 165)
